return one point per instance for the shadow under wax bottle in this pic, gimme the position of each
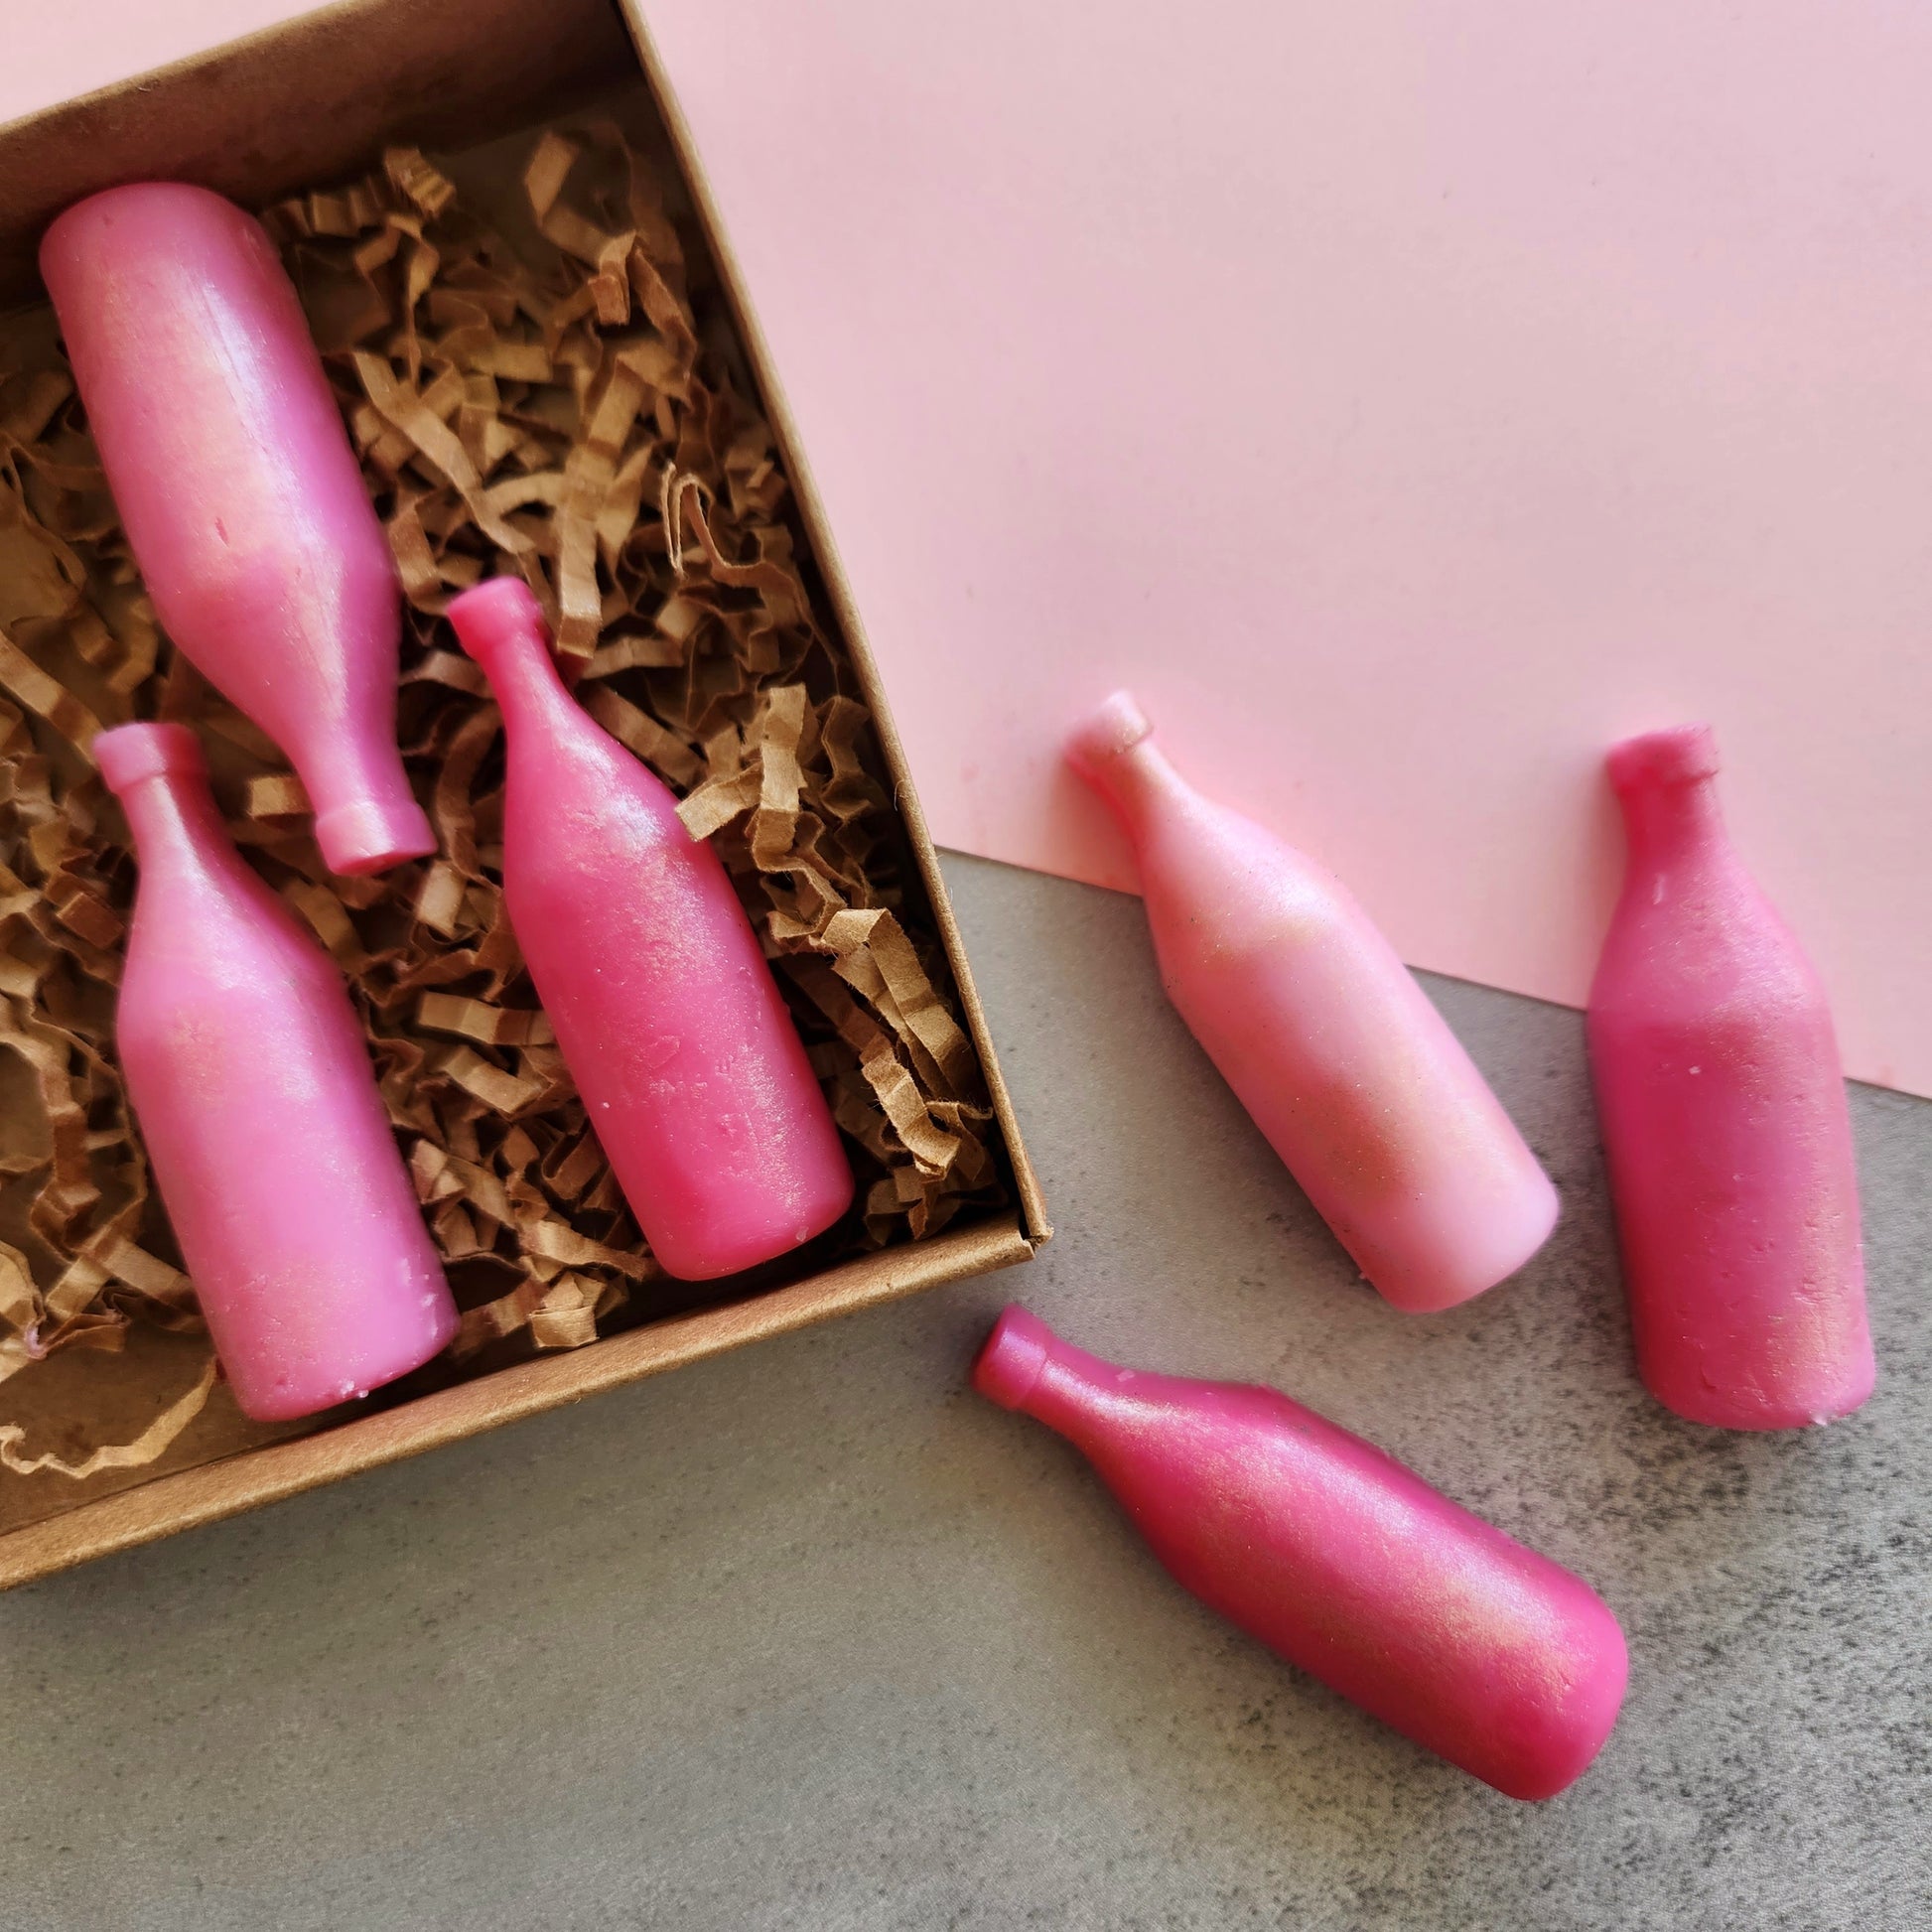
(1725, 1128)
(1323, 1034)
(259, 1110)
(666, 1013)
(241, 497)
(1339, 1558)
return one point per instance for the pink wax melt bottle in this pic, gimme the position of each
(1339, 1558)
(253, 1089)
(1724, 1124)
(239, 493)
(1323, 1034)
(666, 1013)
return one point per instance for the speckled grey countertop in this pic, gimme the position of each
(808, 1638)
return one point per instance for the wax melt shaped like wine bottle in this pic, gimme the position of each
(1323, 1034)
(239, 493)
(666, 1013)
(1339, 1558)
(259, 1110)
(1724, 1122)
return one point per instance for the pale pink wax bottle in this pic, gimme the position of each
(1324, 1036)
(239, 493)
(1339, 1558)
(666, 1013)
(258, 1107)
(1725, 1130)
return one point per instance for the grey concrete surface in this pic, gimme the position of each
(809, 1637)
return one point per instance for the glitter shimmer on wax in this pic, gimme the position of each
(1339, 1558)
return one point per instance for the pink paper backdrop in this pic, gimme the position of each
(1407, 397)
(52, 52)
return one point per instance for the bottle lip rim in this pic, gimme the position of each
(128, 755)
(485, 614)
(370, 834)
(1110, 730)
(1676, 755)
(1014, 1356)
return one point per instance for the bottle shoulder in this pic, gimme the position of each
(1218, 886)
(1141, 1420)
(220, 936)
(577, 796)
(1701, 941)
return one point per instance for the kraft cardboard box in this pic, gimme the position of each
(302, 108)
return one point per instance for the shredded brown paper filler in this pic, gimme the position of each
(562, 409)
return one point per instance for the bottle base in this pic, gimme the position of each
(713, 1255)
(289, 1398)
(1758, 1414)
(1428, 1277)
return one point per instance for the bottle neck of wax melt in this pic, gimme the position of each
(567, 774)
(198, 896)
(502, 629)
(1159, 1439)
(1215, 883)
(1666, 787)
(367, 817)
(161, 779)
(1028, 1367)
(1691, 924)
(1116, 754)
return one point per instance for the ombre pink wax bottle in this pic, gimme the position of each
(666, 1013)
(1724, 1123)
(1323, 1034)
(239, 493)
(1339, 1558)
(259, 1111)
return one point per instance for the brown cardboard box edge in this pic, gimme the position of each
(265, 1476)
(548, 48)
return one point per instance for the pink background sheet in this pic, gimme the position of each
(1406, 398)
